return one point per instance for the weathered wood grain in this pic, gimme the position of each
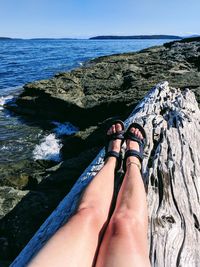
(171, 171)
(172, 121)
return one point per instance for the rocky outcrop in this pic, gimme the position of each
(111, 85)
(171, 118)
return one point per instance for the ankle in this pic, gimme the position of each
(134, 165)
(111, 160)
(133, 162)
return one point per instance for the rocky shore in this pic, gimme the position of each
(88, 97)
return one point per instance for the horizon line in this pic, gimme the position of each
(102, 35)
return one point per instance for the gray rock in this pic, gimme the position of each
(10, 197)
(111, 85)
(21, 175)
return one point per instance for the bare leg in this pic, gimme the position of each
(125, 240)
(75, 243)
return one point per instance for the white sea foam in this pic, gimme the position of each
(48, 149)
(64, 128)
(6, 99)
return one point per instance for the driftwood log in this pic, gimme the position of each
(171, 170)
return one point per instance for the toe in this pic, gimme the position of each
(132, 130)
(113, 129)
(137, 132)
(118, 127)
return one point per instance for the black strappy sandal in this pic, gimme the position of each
(114, 136)
(142, 143)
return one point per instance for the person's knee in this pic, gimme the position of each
(92, 216)
(124, 223)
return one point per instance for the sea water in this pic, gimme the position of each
(23, 61)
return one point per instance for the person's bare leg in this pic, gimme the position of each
(75, 243)
(125, 240)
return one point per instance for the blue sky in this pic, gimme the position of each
(85, 18)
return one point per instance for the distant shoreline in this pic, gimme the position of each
(111, 37)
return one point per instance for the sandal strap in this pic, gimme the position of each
(115, 136)
(134, 153)
(112, 154)
(130, 135)
(133, 137)
(117, 155)
(141, 142)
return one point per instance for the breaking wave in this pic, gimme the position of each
(48, 149)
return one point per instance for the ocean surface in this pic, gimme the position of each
(23, 61)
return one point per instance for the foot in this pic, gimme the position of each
(114, 145)
(114, 139)
(133, 145)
